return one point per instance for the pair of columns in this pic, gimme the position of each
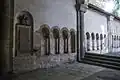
(6, 36)
(81, 7)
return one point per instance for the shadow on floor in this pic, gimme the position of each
(107, 74)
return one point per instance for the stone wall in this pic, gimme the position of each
(27, 62)
(49, 12)
(61, 15)
(40, 59)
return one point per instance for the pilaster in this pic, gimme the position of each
(6, 36)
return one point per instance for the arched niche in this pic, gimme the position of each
(101, 41)
(23, 32)
(45, 33)
(56, 36)
(93, 43)
(105, 40)
(104, 35)
(87, 35)
(97, 40)
(24, 18)
(72, 40)
(88, 40)
(65, 39)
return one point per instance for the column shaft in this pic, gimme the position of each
(6, 36)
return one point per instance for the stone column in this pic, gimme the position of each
(109, 25)
(61, 44)
(42, 45)
(78, 30)
(6, 37)
(75, 42)
(37, 43)
(83, 9)
(69, 43)
(52, 43)
(80, 9)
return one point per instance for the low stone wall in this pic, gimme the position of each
(26, 62)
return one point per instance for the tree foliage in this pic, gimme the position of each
(116, 8)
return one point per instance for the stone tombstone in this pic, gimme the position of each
(24, 38)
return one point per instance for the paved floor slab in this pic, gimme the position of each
(107, 74)
(75, 71)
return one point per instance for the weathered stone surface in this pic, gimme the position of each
(75, 71)
(24, 62)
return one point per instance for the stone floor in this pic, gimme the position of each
(114, 54)
(75, 71)
(106, 74)
(109, 54)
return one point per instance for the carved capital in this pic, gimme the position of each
(77, 6)
(80, 1)
(111, 18)
(83, 7)
(86, 2)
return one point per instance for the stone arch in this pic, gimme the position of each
(88, 40)
(43, 26)
(101, 41)
(24, 18)
(56, 30)
(104, 35)
(56, 35)
(104, 39)
(97, 40)
(114, 37)
(23, 28)
(65, 36)
(72, 40)
(117, 37)
(93, 38)
(87, 35)
(45, 39)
